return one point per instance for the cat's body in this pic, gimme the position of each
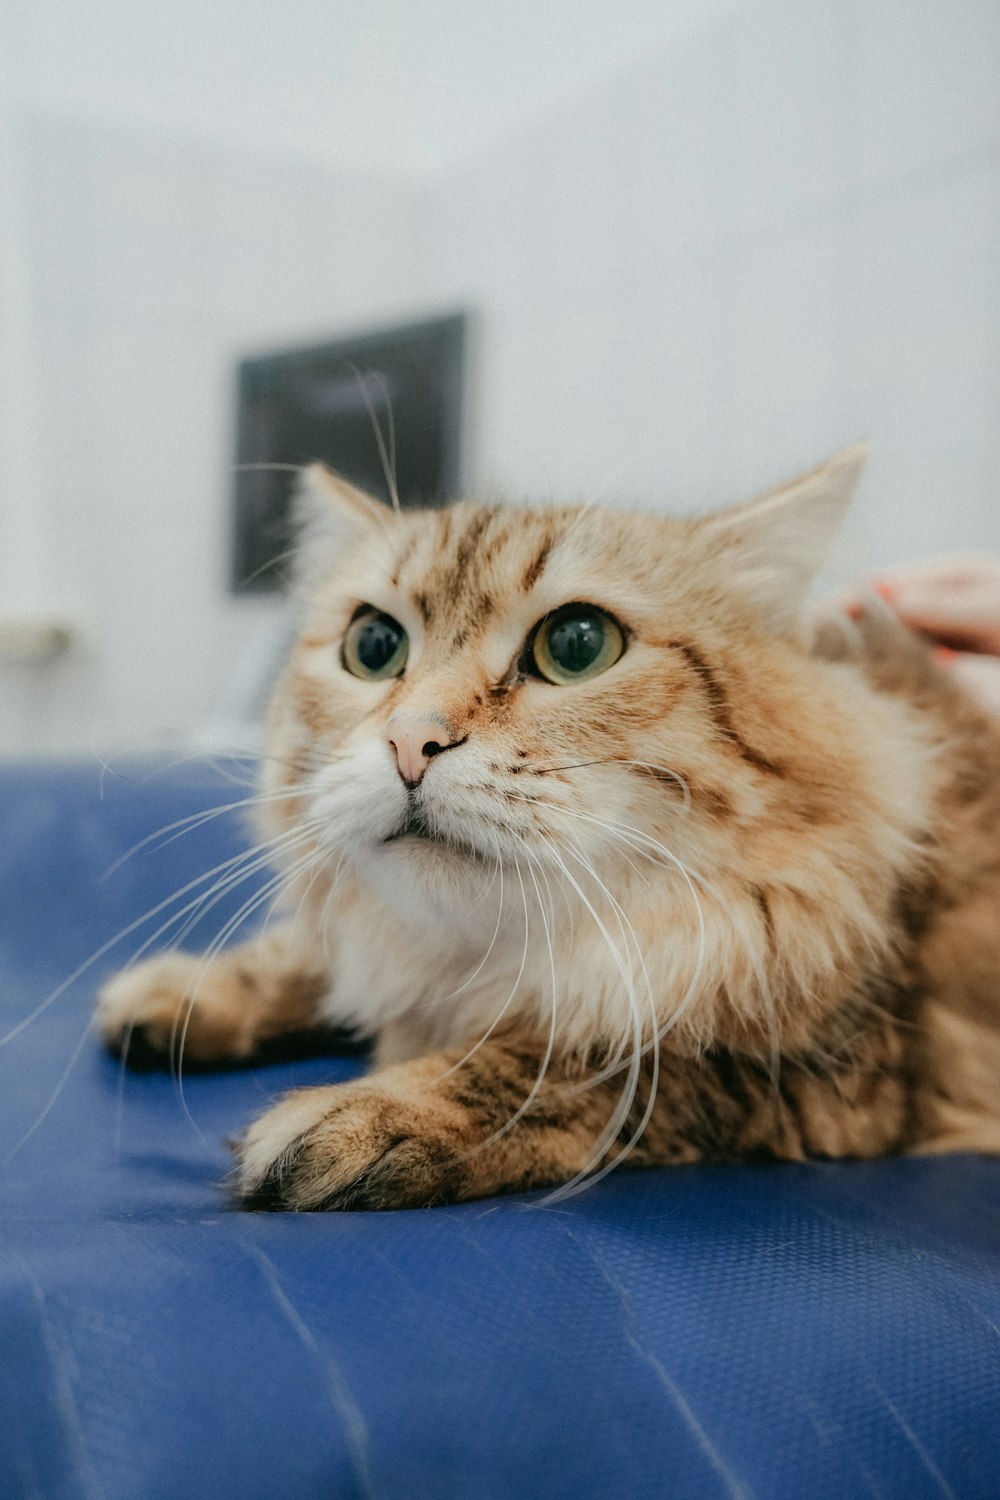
(725, 894)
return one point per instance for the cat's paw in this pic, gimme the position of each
(175, 1009)
(351, 1146)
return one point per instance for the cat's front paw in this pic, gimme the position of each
(252, 1003)
(353, 1146)
(177, 1009)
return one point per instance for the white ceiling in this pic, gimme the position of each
(380, 85)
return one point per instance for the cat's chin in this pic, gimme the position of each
(430, 878)
(426, 846)
(417, 837)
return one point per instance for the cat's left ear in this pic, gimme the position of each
(335, 494)
(774, 546)
(329, 515)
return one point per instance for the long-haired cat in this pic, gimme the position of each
(620, 861)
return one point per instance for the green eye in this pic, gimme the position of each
(577, 642)
(375, 646)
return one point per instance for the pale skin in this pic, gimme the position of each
(955, 602)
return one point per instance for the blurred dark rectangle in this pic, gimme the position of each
(329, 402)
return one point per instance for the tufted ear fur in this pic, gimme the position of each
(775, 545)
(329, 514)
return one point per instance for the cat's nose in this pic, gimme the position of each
(415, 743)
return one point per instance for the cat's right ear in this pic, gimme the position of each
(774, 546)
(329, 515)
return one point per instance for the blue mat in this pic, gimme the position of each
(786, 1332)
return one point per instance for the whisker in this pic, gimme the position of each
(532, 1094)
(513, 990)
(199, 908)
(192, 822)
(592, 1173)
(271, 562)
(496, 932)
(688, 877)
(210, 898)
(119, 937)
(320, 863)
(267, 468)
(618, 760)
(657, 1031)
(54, 1096)
(215, 947)
(388, 468)
(621, 1111)
(391, 420)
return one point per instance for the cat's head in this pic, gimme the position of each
(557, 687)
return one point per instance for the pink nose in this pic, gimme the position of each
(416, 742)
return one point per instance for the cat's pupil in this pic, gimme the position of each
(576, 641)
(378, 641)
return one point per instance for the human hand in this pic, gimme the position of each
(979, 674)
(953, 600)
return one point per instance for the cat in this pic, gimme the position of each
(621, 860)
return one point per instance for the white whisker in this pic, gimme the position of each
(689, 877)
(54, 1096)
(127, 931)
(192, 822)
(513, 989)
(496, 932)
(622, 1109)
(247, 910)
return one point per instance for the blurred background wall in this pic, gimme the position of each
(704, 243)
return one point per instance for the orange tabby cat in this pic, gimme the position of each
(616, 860)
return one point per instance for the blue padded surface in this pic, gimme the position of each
(787, 1332)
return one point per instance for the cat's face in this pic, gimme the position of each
(562, 688)
(538, 709)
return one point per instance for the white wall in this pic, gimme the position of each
(154, 265)
(391, 86)
(762, 242)
(774, 232)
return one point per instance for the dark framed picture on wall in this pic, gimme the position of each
(387, 401)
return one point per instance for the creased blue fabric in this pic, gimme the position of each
(786, 1332)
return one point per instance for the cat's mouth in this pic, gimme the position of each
(416, 826)
(413, 826)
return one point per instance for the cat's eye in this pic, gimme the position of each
(375, 646)
(576, 642)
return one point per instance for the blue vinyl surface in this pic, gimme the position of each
(788, 1332)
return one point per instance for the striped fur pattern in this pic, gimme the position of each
(737, 897)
